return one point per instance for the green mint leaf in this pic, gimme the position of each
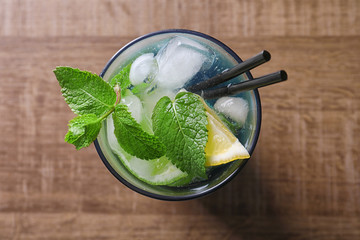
(181, 127)
(85, 92)
(140, 88)
(132, 138)
(122, 79)
(83, 130)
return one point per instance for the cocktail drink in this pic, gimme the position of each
(161, 67)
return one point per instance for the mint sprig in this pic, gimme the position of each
(181, 127)
(89, 96)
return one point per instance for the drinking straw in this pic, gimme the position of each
(242, 67)
(233, 89)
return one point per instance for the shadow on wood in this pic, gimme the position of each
(242, 206)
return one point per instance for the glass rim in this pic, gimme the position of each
(228, 178)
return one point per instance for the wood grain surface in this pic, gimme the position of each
(302, 182)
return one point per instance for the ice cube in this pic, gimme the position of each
(235, 108)
(144, 67)
(135, 106)
(179, 61)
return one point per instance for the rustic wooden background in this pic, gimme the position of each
(303, 181)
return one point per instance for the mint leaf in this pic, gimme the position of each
(132, 138)
(83, 130)
(181, 127)
(122, 79)
(86, 93)
(140, 88)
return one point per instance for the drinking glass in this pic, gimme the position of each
(219, 175)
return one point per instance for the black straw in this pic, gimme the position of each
(233, 89)
(242, 67)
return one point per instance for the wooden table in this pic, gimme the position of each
(303, 181)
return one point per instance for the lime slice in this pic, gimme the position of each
(155, 172)
(222, 146)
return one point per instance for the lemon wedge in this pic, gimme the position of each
(222, 146)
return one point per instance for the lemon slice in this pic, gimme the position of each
(222, 146)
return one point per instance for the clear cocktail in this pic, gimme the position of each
(164, 64)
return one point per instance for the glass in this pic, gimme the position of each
(218, 176)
